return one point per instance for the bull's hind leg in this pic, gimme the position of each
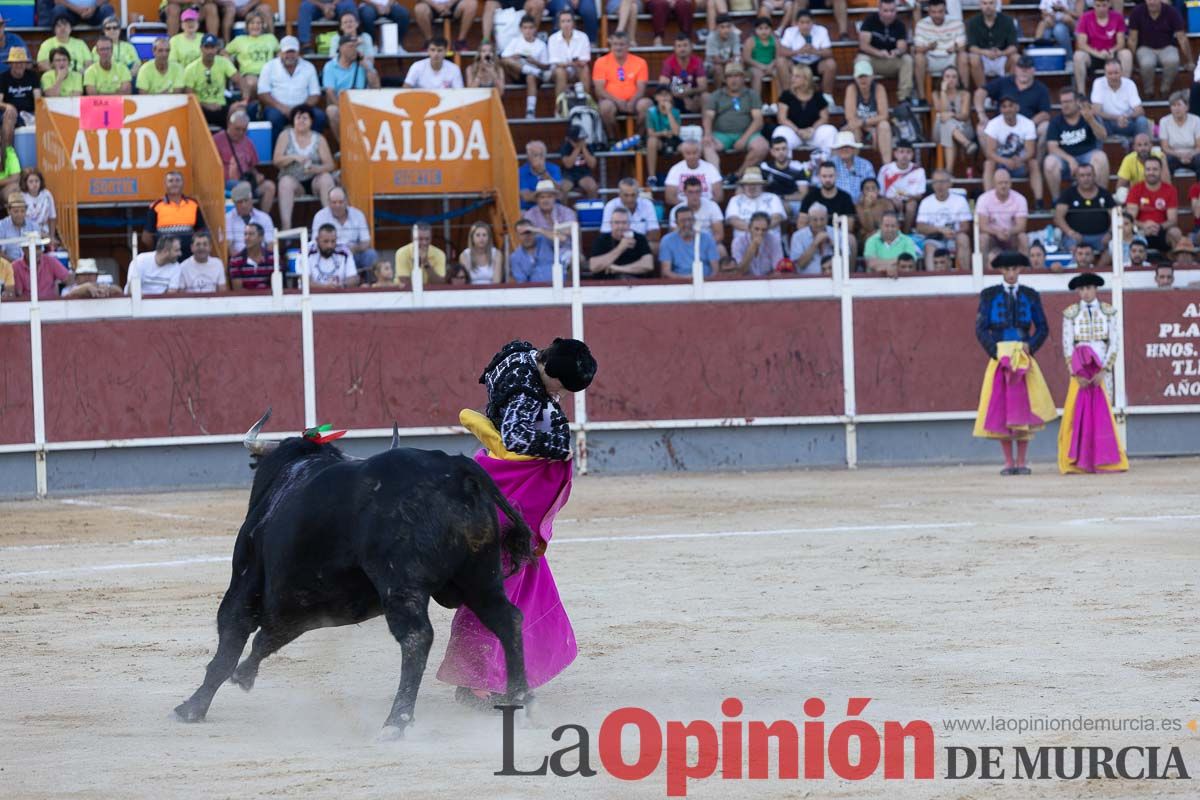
(504, 619)
(408, 619)
(269, 639)
(235, 622)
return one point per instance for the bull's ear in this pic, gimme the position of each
(395, 434)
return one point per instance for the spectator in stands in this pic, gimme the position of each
(526, 58)
(1179, 132)
(286, 83)
(251, 52)
(480, 259)
(692, 166)
(733, 121)
(87, 285)
(157, 270)
(124, 53)
(884, 249)
(706, 215)
(240, 158)
(244, 214)
(251, 268)
(851, 168)
(883, 44)
(1119, 106)
(548, 212)
(434, 71)
(939, 42)
(786, 177)
(535, 171)
(1037, 256)
(18, 89)
(662, 130)
(684, 246)
(1003, 215)
(1083, 212)
(349, 70)
(1074, 137)
(1010, 143)
(807, 44)
(348, 25)
(329, 263)
(903, 183)
(1154, 206)
(579, 163)
(620, 80)
(944, 219)
(39, 203)
(531, 8)
(1194, 202)
(175, 215)
(683, 71)
(803, 114)
(370, 11)
(1133, 169)
(425, 11)
(1155, 28)
(1083, 258)
(51, 272)
(757, 253)
(760, 54)
(643, 218)
(78, 54)
(1138, 257)
(752, 200)
(162, 75)
(207, 78)
(723, 48)
(1164, 274)
(835, 199)
(352, 230)
(486, 72)
(1033, 99)
(812, 243)
(1057, 22)
(330, 10)
(7, 42)
(10, 170)
(201, 273)
(991, 43)
(532, 260)
(1099, 36)
(952, 127)
(867, 113)
(305, 164)
(185, 46)
(869, 209)
(106, 76)
(61, 80)
(661, 10)
(81, 12)
(1130, 238)
(570, 54)
(621, 251)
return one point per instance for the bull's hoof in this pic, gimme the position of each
(244, 680)
(390, 733)
(190, 712)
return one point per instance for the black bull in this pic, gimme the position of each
(332, 540)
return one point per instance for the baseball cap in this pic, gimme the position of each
(191, 13)
(210, 41)
(289, 43)
(1025, 61)
(735, 68)
(241, 191)
(863, 68)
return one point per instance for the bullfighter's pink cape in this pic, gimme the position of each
(1087, 440)
(537, 488)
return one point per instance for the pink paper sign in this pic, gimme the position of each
(101, 112)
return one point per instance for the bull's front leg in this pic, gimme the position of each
(408, 619)
(504, 619)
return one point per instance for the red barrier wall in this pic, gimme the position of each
(16, 385)
(1162, 333)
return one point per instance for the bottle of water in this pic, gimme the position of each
(579, 93)
(1051, 239)
(627, 144)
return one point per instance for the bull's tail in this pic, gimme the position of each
(516, 537)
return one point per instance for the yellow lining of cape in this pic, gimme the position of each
(483, 430)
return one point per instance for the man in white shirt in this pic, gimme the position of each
(750, 200)
(939, 42)
(200, 273)
(526, 58)
(643, 218)
(159, 270)
(708, 215)
(570, 54)
(1118, 103)
(353, 232)
(329, 263)
(711, 182)
(944, 219)
(241, 215)
(287, 81)
(809, 44)
(903, 182)
(1010, 141)
(434, 72)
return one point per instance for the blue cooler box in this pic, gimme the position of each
(19, 14)
(590, 212)
(142, 36)
(1048, 59)
(260, 135)
(1193, 16)
(25, 143)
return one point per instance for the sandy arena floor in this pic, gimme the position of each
(940, 593)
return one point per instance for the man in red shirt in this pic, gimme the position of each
(1154, 206)
(241, 159)
(684, 72)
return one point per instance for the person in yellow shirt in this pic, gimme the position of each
(106, 76)
(124, 53)
(61, 80)
(252, 52)
(185, 47)
(433, 260)
(162, 75)
(78, 54)
(1133, 166)
(207, 77)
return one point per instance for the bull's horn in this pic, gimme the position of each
(395, 434)
(251, 441)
